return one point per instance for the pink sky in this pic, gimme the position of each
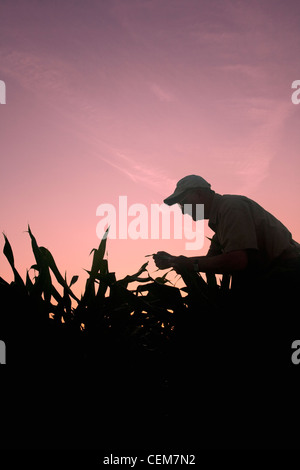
(110, 98)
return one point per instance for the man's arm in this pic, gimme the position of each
(220, 264)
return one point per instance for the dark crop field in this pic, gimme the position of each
(149, 367)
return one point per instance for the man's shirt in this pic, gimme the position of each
(241, 224)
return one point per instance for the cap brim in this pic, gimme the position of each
(174, 198)
(171, 200)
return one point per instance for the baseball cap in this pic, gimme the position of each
(184, 185)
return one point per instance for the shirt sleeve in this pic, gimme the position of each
(236, 227)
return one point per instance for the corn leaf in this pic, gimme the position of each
(134, 277)
(98, 265)
(52, 265)
(43, 283)
(7, 251)
(73, 280)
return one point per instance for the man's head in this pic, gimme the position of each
(192, 189)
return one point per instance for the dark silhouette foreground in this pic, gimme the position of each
(140, 369)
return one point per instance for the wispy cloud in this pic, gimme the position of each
(252, 71)
(52, 80)
(34, 71)
(140, 172)
(161, 94)
(268, 117)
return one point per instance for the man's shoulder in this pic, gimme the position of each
(230, 207)
(234, 201)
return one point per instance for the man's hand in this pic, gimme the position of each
(225, 263)
(164, 260)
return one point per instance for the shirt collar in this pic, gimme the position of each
(214, 211)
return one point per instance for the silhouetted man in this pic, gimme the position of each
(243, 348)
(249, 242)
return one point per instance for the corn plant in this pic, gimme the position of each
(109, 316)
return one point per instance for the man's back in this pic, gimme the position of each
(242, 224)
